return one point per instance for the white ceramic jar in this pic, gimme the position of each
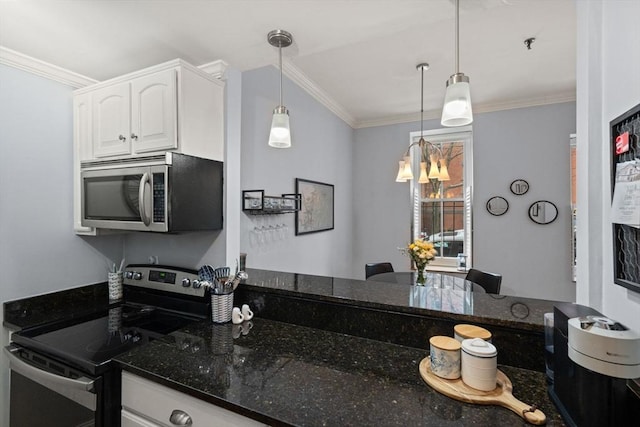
(479, 364)
(463, 331)
(445, 357)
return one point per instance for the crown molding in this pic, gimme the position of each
(301, 79)
(558, 98)
(215, 68)
(43, 69)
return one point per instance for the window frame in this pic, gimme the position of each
(436, 136)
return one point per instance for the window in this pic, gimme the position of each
(442, 209)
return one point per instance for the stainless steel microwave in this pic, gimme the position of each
(164, 193)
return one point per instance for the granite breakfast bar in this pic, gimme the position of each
(325, 351)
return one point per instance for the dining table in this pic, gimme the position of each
(433, 279)
(441, 291)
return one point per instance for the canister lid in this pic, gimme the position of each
(471, 331)
(444, 343)
(479, 347)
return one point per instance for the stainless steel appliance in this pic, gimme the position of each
(62, 373)
(165, 193)
(595, 363)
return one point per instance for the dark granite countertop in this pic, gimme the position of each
(283, 374)
(499, 310)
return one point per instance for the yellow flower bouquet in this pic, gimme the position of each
(421, 252)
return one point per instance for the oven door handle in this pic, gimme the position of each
(79, 390)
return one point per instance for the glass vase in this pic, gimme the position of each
(420, 279)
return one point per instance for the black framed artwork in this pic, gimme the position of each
(317, 207)
(624, 143)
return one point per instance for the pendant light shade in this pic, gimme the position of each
(434, 172)
(399, 177)
(424, 178)
(406, 169)
(457, 100)
(444, 172)
(280, 135)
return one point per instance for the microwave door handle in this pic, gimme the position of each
(146, 219)
(80, 390)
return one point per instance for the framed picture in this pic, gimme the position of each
(316, 210)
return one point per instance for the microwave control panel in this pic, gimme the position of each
(158, 197)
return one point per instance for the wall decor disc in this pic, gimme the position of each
(519, 187)
(497, 206)
(543, 212)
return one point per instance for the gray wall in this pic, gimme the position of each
(605, 91)
(529, 143)
(39, 252)
(321, 151)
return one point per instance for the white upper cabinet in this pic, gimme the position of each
(170, 107)
(111, 121)
(154, 112)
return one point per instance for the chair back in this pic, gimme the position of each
(377, 268)
(489, 281)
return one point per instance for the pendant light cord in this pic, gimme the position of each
(280, 61)
(457, 37)
(421, 101)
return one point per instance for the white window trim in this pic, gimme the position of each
(462, 133)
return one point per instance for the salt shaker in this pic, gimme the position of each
(479, 364)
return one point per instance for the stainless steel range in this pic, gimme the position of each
(62, 373)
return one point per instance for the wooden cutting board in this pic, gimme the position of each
(501, 395)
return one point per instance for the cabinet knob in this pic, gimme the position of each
(122, 138)
(134, 137)
(180, 418)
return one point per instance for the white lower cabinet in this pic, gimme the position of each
(149, 404)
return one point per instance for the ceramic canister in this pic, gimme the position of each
(464, 331)
(445, 357)
(479, 364)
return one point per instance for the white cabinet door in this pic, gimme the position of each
(154, 112)
(111, 121)
(127, 419)
(156, 403)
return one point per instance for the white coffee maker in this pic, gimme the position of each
(596, 367)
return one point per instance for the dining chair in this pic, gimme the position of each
(489, 281)
(376, 268)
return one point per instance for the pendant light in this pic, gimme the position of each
(457, 100)
(426, 148)
(280, 135)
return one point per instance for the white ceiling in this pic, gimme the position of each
(359, 56)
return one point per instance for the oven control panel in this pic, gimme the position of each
(164, 278)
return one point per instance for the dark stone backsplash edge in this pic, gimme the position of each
(57, 305)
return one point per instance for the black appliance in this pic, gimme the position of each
(586, 398)
(62, 373)
(164, 193)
